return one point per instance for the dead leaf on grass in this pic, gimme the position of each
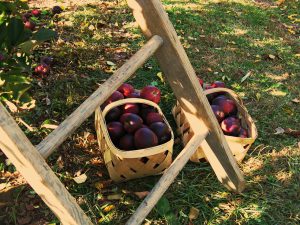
(299, 145)
(194, 213)
(246, 76)
(49, 126)
(294, 133)
(102, 184)
(141, 194)
(114, 197)
(279, 130)
(80, 179)
(12, 107)
(160, 76)
(296, 100)
(109, 208)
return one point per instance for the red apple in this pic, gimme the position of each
(115, 130)
(26, 17)
(130, 108)
(243, 133)
(42, 69)
(201, 81)
(231, 126)
(220, 115)
(151, 93)
(153, 117)
(131, 122)
(228, 107)
(145, 138)
(145, 111)
(126, 89)
(36, 12)
(116, 95)
(29, 25)
(127, 142)
(135, 94)
(218, 99)
(113, 114)
(218, 84)
(57, 10)
(161, 130)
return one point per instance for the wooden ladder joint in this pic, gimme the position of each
(86, 109)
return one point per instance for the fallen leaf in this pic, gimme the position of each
(246, 76)
(294, 133)
(160, 76)
(49, 126)
(114, 197)
(110, 63)
(296, 100)
(30, 128)
(48, 102)
(299, 145)
(194, 213)
(102, 184)
(280, 2)
(272, 56)
(60, 163)
(279, 130)
(80, 179)
(109, 208)
(141, 194)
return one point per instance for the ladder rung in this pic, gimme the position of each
(69, 125)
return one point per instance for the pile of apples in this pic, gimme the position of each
(225, 110)
(135, 126)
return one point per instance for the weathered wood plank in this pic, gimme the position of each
(179, 72)
(69, 125)
(166, 180)
(38, 174)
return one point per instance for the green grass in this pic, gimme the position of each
(224, 40)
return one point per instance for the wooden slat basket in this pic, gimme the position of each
(126, 165)
(239, 146)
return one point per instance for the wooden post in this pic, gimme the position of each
(179, 72)
(166, 180)
(38, 174)
(88, 107)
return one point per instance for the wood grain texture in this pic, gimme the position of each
(38, 174)
(179, 72)
(166, 180)
(69, 125)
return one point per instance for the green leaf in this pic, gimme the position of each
(44, 35)
(15, 30)
(28, 46)
(164, 209)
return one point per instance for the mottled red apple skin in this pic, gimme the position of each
(127, 142)
(243, 133)
(218, 99)
(145, 111)
(26, 17)
(36, 12)
(151, 93)
(115, 130)
(228, 107)
(42, 69)
(219, 114)
(218, 84)
(153, 117)
(131, 108)
(116, 95)
(134, 94)
(131, 122)
(145, 138)
(29, 25)
(161, 130)
(113, 114)
(126, 89)
(231, 126)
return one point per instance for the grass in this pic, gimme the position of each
(224, 41)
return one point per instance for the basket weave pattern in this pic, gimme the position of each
(127, 165)
(238, 146)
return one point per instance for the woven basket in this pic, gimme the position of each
(238, 146)
(127, 165)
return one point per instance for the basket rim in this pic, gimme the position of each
(133, 153)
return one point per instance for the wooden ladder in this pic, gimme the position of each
(163, 42)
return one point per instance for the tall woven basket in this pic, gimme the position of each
(126, 165)
(238, 146)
